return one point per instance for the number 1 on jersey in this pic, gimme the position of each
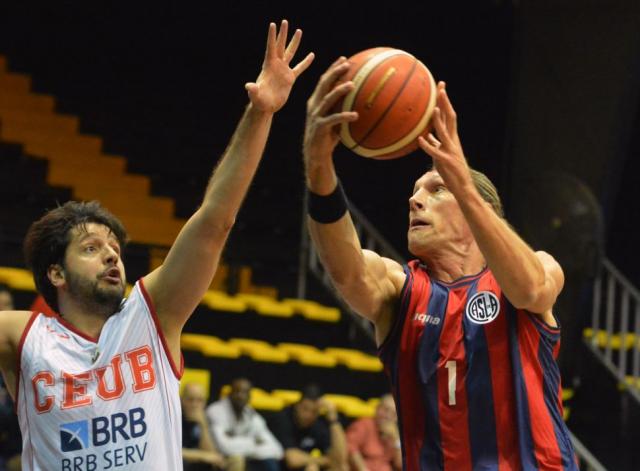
(451, 369)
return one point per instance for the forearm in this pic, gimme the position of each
(231, 178)
(338, 451)
(194, 455)
(515, 265)
(234, 445)
(206, 441)
(296, 458)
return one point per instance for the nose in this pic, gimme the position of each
(415, 203)
(111, 256)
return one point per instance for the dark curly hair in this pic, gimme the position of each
(47, 239)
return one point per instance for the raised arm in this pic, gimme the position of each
(368, 282)
(530, 280)
(178, 285)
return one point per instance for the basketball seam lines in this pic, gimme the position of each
(395, 98)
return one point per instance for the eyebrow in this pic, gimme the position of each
(87, 235)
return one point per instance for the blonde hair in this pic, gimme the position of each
(487, 191)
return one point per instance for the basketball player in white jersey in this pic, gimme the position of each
(97, 386)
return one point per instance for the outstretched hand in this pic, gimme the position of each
(321, 127)
(446, 150)
(271, 89)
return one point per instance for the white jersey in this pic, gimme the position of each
(96, 404)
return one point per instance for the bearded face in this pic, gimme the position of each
(95, 291)
(92, 275)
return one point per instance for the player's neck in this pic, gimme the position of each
(87, 317)
(454, 263)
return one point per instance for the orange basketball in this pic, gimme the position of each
(394, 96)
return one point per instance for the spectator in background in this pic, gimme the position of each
(240, 433)
(10, 438)
(374, 442)
(309, 441)
(198, 451)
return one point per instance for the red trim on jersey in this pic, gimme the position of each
(536, 318)
(463, 279)
(546, 448)
(74, 329)
(411, 404)
(154, 315)
(27, 327)
(497, 335)
(454, 418)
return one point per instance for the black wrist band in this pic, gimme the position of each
(328, 208)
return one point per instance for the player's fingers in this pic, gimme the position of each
(440, 126)
(293, 46)
(304, 64)
(445, 105)
(329, 78)
(331, 98)
(338, 118)
(271, 40)
(431, 146)
(281, 40)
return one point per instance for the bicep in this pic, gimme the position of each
(553, 284)
(378, 284)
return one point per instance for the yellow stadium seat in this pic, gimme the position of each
(312, 310)
(615, 341)
(219, 301)
(17, 278)
(201, 377)
(308, 355)
(287, 395)
(355, 360)
(350, 405)
(262, 400)
(260, 351)
(209, 345)
(265, 305)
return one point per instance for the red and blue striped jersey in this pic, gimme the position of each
(475, 380)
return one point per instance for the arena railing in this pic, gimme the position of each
(614, 336)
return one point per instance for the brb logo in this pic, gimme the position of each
(75, 435)
(110, 430)
(483, 307)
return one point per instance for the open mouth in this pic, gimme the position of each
(417, 222)
(112, 275)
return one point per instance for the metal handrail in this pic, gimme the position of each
(616, 316)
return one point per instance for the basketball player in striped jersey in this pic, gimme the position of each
(96, 387)
(466, 331)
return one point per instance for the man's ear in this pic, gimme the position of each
(56, 275)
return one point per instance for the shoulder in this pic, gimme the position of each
(216, 407)
(13, 323)
(12, 328)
